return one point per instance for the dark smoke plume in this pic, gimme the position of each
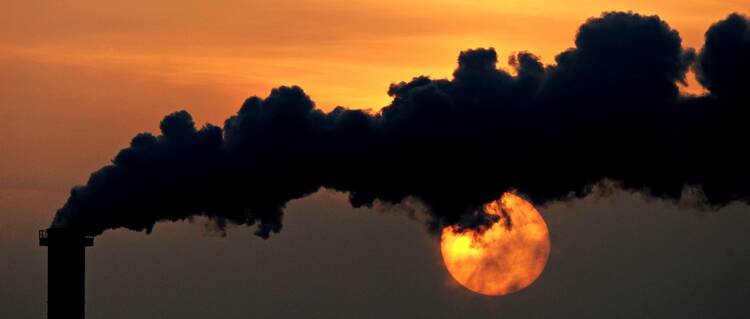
(609, 109)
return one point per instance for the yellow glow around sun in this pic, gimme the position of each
(507, 257)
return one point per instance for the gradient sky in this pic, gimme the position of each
(69, 69)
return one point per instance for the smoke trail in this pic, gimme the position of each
(609, 108)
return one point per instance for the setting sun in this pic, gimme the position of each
(505, 258)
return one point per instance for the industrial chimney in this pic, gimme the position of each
(66, 264)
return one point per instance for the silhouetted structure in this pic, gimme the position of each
(66, 271)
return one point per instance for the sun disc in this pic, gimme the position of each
(506, 257)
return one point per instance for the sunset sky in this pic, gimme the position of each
(70, 66)
(79, 78)
(342, 53)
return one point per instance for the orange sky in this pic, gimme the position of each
(79, 78)
(341, 52)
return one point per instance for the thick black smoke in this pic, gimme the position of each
(609, 108)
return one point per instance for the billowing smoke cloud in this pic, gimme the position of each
(607, 109)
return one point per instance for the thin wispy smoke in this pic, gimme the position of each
(609, 108)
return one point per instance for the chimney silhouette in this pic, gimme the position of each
(66, 271)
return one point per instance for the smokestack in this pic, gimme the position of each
(66, 263)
